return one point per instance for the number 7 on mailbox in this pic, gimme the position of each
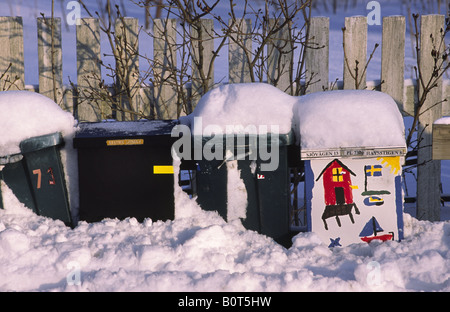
(38, 172)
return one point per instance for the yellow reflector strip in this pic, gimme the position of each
(125, 142)
(162, 169)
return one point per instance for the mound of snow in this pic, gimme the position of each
(26, 114)
(443, 121)
(349, 118)
(13, 241)
(199, 252)
(246, 105)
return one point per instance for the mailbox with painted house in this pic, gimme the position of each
(353, 147)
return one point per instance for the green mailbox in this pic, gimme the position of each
(13, 173)
(267, 192)
(253, 122)
(36, 176)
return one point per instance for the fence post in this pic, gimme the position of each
(50, 59)
(355, 49)
(410, 96)
(164, 69)
(89, 71)
(280, 57)
(446, 105)
(317, 55)
(127, 67)
(429, 171)
(11, 52)
(238, 63)
(393, 59)
(202, 45)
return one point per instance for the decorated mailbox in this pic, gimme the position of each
(353, 146)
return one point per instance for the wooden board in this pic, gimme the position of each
(441, 142)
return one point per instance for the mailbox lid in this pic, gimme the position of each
(125, 133)
(40, 142)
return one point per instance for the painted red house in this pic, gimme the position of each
(338, 191)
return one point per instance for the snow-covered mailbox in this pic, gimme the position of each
(125, 170)
(242, 135)
(36, 177)
(30, 163)
(353, 146)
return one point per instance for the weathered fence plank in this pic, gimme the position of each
(69, 99)
(127, 67)
(280, 56)
(446, 104)
(317, 55)
(441, 138)
(11, 53)
(393, 58)
(164, 69)
(50, 58)
(429, 171)
(148, 102)
(410, 97)
(202, 48)
(355, 51)
(89, 71)
(239, 42)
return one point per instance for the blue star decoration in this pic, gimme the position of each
(334, 242)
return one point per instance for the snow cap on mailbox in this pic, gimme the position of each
(26, 114)
(348, 119)
(255, 106)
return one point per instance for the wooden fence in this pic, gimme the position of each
(159, 100)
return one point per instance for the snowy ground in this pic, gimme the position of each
(199, 251)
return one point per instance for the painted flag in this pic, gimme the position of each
(373, 170)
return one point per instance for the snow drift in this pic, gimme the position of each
(199, 251)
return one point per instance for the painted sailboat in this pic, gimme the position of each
(373, 231)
